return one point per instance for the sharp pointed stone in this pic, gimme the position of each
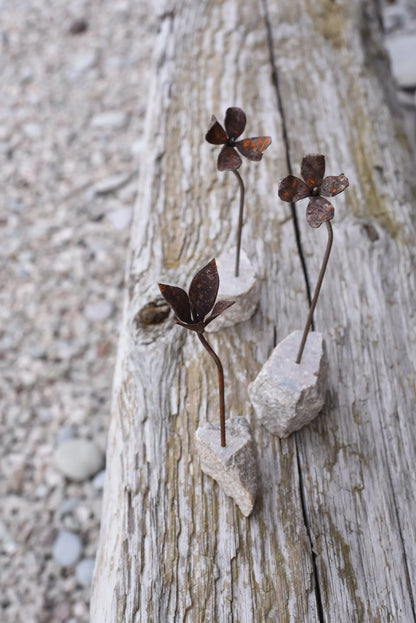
(285, 395)
(244, 290)
(233, 467)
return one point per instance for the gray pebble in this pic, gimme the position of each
(32, 130)
(113, 120)
(67, 548)
(65, 433)
(79, 459)
(84, 571)
(111, 184)
(82, 63)
(68, 506)
(99, 480)
(120, 218)
(101, 310)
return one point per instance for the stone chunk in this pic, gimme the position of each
(285, 395)
(233, 467)
(244, 290)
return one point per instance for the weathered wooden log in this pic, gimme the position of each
(333, 535)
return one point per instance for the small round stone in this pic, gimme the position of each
(79, 459)
(84, 571)
(101, 310)
(99, 480)
(67, 548)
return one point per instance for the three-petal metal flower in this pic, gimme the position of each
(229, 159)
(316, 187)
(196, 310)
(235, 123)
(193, 311)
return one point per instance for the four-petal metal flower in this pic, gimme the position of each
(229, 159)
(319, 211)
(196, 310)
(235, 123)
(314, 186)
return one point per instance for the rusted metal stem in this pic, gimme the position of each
(240, 221)
(317, 290)
(220, 382)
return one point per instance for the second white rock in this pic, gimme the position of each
(287, 396)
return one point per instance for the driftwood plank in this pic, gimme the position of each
(332, 536)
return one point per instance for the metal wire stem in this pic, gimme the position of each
(240, 221)
(317, 290)
(220, 382)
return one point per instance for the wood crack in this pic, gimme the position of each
(400, 530)
(286, 144)
(317, 587)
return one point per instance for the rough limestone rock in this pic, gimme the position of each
(287, 396)
(244, 290)
(233, 467)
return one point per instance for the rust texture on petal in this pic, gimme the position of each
(333, 185)
(216, 134)
(253, 148)
(318, 211)
(191, 311)
(292, 189)
(228, 159)
(312, 170)
(178, 301)
(203, 290)
(235, 123)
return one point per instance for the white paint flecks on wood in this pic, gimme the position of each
(244, 290)
(287, 396)
(332, 535)
(232, 466)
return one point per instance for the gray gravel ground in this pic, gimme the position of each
(71, 122)
(73, 98)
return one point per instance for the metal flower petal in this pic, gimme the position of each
(219, 307)
(293, 189)
(318, 211)
(253, 148)
(312, 170)
(203, 290)
(216, 134)
(235, 122)
(228, 159)
(178, 300)
(333, 185)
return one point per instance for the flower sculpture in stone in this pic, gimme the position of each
(229, 159)
(194, 311)
(290, 389)
(319, 211)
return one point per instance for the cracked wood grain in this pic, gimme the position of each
(332, 537)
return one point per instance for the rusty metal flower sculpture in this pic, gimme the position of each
(230, 160)
(319, 211)
(196, 310)
(312, 170)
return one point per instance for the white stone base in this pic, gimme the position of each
(233, 467)
(287, 396)
(244, 290)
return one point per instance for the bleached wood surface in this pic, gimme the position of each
(333, 534)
